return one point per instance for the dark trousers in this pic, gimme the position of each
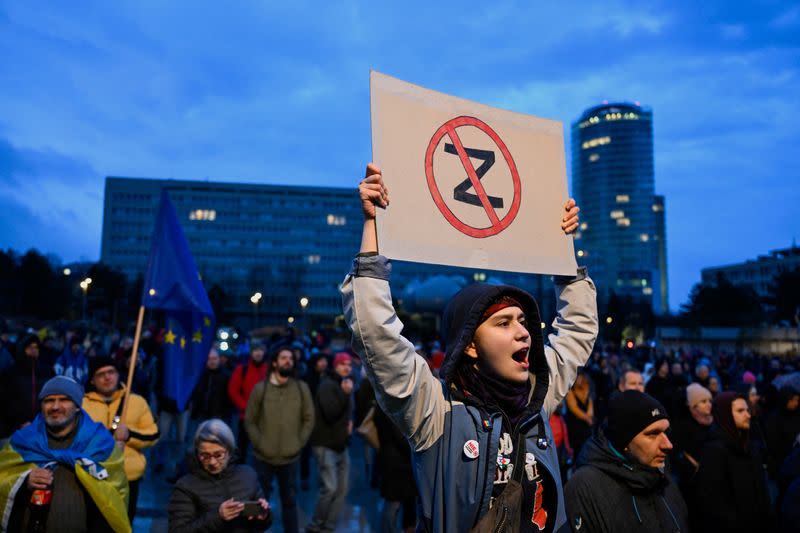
(242, 442)
(305, 462)
(134, 496)
(287, 487)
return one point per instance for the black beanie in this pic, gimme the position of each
(629, 413)
(96, 363)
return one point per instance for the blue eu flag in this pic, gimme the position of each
(173, 284)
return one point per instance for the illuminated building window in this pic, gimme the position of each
(623, 222)
(644, 237)
(647, 290)
(597, 141)
(657, 208)
(644, 283)
(313, 259)
(621, 116)
(623, 198)
(479, 276)
(589, 122)
(594, 157)
(617, 214)
(582, 253)
(203, 214)
(584, 225)
(336, 220)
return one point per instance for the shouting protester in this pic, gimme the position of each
(483, 451)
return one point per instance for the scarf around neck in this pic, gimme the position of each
(511, 398)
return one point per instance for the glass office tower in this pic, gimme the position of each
(622, 234)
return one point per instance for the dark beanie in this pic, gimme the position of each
(629, 413)
(96, 363)
(62, 385)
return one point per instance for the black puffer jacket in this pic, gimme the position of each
(194, 504)
(611, 493)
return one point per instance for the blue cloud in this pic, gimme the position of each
(278, 92)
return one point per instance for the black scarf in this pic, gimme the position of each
(510, 397)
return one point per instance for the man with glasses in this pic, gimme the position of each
(137, 432)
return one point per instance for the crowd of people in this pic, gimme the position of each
(492, 427)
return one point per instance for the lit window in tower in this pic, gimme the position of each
(647, 290)
(584, 225)
(617, 213)
(203, 214)
(644, 237)
(623, 198)
(594, 157)
(336, 220)
(597, 141)
(657, 208)
(623, 222)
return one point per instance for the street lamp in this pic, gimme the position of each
(303, 305)
(85, 287)
(255, 299)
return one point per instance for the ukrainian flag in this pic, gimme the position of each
(97, 461)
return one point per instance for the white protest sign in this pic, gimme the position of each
(470, 185)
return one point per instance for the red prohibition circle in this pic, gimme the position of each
(497, 224)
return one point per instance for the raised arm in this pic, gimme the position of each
(575, 325)
(404, 386)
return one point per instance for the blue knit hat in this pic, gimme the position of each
(63, 385)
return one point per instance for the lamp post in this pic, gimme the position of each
(303, 305)
(85, 287)
(255, 299)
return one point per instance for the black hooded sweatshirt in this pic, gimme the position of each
(610, 492)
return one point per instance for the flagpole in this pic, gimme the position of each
(132, 365)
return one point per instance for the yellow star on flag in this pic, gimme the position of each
(169, 338)
(183, 343)
(207, 321)
(197, 337)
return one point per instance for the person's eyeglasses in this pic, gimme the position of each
(217, 456)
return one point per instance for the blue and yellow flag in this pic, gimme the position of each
(98, 464)
(173, 284)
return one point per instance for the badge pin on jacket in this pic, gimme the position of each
(471, 449)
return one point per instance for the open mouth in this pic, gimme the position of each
(521, 356)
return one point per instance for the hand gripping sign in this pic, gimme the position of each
(471, 185)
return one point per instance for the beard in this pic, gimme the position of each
(56, 427)
(285, 372)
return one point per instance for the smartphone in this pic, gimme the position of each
(252, 508)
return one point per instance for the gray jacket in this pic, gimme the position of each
(454, 489)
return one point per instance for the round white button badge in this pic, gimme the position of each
(471, 449)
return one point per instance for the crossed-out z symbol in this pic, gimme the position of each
(460, 193)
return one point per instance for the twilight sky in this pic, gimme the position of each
(278, 92)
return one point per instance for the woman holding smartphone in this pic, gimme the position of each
(218, 494)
